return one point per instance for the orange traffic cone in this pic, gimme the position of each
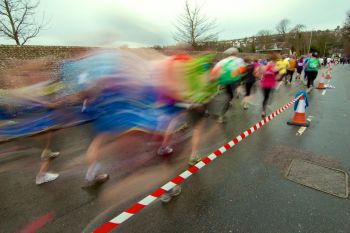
(300, 115)
(328, 74)
(321, 83)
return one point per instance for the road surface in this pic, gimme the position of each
(243, 191)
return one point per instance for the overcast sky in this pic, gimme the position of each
(150, 22)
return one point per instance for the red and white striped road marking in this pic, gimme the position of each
(128, 213)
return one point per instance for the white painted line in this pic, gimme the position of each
(303, 128)
(301, 131)
(323, 92)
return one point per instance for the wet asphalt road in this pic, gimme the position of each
(242, 191)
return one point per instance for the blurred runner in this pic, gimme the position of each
(299, 67)
(202, 89)
(196, 118)
(229, 72)
(249, 80)
(312, 68)
(269, 77)
(47, 155)
(282, 65)
(306, 60)
(291, 68)
(33, 110)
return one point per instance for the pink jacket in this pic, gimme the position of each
(268, 79)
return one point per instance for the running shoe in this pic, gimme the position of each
(220, 120)
(245, 106)
(175, 191)
(166, 197)
(48, 154)
(193, 160)
(99, 179)
(165, 151)
(45, 177)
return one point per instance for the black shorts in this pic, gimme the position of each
(311, 78)
(290, 72)
(312, 75)
(299, 70)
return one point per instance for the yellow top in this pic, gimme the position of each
(282, 66)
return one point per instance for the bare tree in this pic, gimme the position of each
(296, 38)
(283, 27)
(346, 34)
(18, 20)
(264, 37)
(264, 33)
(193, 27)
(298, 28)
(346, 27)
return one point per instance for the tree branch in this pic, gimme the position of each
(18, 21)
(192, 27)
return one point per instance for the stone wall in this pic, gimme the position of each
(29, 52)
(15, 59)
(11, 53)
